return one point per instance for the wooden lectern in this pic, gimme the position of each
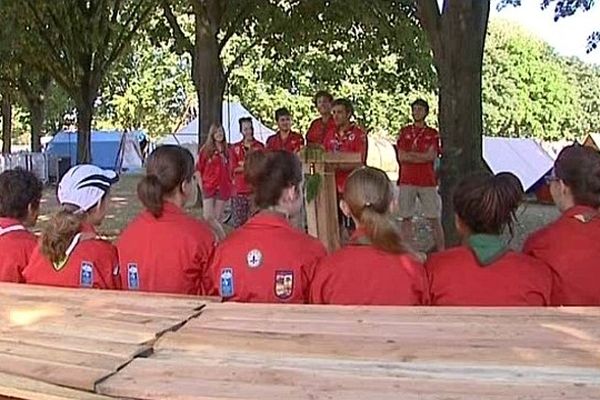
(322, 212)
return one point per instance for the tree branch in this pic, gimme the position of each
(180, 38)
(239, 57)
(430, 18)
(234, 25)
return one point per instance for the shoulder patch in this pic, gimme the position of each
(86, 274)
(226, 285)
(284, 284)
(133, 276)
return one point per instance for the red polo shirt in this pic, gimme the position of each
(570, 246)
(418, 140)
(215, 173)
(292, 143)
(237, 158)
(352, 140)
(266, 261)
(167, 254)
(363, 275)
(92, 264)
(16, 246)
(318, 130)
(457, 279)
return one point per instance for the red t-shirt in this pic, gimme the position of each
(352, 140)
(266, 261)
(215, 172)
(363, 275)
(457, 279)
(92, 264)
(16, 246)
(169, 254)
(237, 158)
(292, 143)
(570, 246)
(418, 140)
(318, 130)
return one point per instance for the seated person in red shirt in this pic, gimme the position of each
(70, 253)
(20, 195)
(570, 246)
(240, 202)
(164, 249)
(375, 268)
(484, 271)
(285, 138)
(214, 175)
(323, 125)
(418, 149)
(267, 260)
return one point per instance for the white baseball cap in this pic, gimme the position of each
(85, 185)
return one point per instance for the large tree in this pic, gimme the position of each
(76, 43)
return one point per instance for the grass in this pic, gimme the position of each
(125, 206)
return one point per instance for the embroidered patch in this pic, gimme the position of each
(86, 275)
(254, 258)
(133, 277)
(284, 284)
(226, 286)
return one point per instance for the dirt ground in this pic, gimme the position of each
(125, 205)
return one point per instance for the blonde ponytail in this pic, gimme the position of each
(60, 232)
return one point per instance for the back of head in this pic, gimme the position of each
(19, 190)
(487, 204)
(579, 168)
(369, 195)
(269, 173)
(167, 168)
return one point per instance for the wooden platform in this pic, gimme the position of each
(238, 351)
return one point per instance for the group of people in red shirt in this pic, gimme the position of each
(268, 260)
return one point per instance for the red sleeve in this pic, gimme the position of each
(200, 272)
(437, 141)
(361, 145)
(308, 270)
(201, 164)
(107, 267)
(313, 134)
(402, 143)
(421, 283)
(319, 287)
(270, 143)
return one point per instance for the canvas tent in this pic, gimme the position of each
(523, 157)
(232, 112)
(110, 149)
(592, 140)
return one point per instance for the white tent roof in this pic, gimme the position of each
(232, 112)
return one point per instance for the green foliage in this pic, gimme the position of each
(586, 79)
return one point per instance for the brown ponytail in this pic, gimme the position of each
(487, 203)
(168, 167)
(59, 233)
(369, 194)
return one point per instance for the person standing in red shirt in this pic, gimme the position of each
(570, 246)
(325, 124)
(285, 138)
(20, 195)
(418, 148)
(70, 253)
(214, 175)
(484, 271)
(240, 202)
(267, 260)
(375, 268)
(164, 249)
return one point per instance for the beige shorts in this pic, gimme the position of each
(431, 202)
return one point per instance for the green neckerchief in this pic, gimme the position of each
(487, 248)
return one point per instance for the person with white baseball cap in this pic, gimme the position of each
(70, 253)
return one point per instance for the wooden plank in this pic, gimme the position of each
(230, 379)
(24, 388)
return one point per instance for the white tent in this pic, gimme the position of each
(188, 135)
(130, 155)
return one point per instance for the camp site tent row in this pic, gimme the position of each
(110, 149)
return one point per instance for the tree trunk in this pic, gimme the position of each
(37, 111)
(209, 77)
(85, 112)
(6, 109)
(457, 36)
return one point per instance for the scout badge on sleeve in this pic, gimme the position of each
(226, 286)
(133, 277)
(254, 258)
(284, 284)
(86, 277)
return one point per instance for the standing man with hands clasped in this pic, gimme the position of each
(418, 149)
